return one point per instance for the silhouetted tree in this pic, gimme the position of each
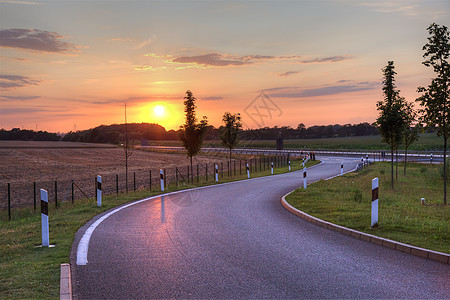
(229, 134)
(435, 98)
(192, 133)
(391, 119)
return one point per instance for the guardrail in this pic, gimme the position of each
(374, 154)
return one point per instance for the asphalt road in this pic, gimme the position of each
(237, 241)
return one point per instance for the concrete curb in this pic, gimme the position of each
(421, 252)
(65, 283)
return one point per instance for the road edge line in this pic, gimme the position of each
(391, 244)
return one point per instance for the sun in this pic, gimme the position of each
(159, 111)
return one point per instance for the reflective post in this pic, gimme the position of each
(99, 190)
(161, 177)
(304, 179)
(44, 218)
(374, 222)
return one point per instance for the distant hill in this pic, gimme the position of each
(114, 134)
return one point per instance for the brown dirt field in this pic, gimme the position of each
(23, 163)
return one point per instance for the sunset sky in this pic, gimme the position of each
(72, 65)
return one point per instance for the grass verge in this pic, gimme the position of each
(28, 271)
(346, 201)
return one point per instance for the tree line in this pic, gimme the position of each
(114, 134)
(27, 135)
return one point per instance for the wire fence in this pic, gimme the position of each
(26, 195)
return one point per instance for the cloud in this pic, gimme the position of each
(286, 74)
(121, 40)
(16, 81)
(212, 59)
(19, 2)
(20, 98)
(406, 7)
(144, 43)
(324, 59)
(148, 68)
(216, 59)
(212, 98)
(326, 90)
(35, 40)
(17, 59)
(21, 110)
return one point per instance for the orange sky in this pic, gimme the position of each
(71, 65)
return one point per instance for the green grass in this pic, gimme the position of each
(426, 142)
(28, 271)
(346, 201)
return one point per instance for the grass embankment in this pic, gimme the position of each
(346, 201)
(28, 271)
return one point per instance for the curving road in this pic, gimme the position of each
(237, 241)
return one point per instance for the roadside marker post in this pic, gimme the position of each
(248, 171)
(271, 168)
(99, 190)
(342, 168)
(216, 167)
(44, 218)
(161, 177)
(304, 179)
(431, 158)
(374, 222)
(289, 162)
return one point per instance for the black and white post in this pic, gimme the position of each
(271, 168)
(161, 177)
(431, 158)
(44, 218)
(304, 179)
(374, 222)
(99, 190)
(248, 171)
(289, 162)
(342, 168)
(216, 167)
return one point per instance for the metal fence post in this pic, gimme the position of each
(56, 194)
(34, 196)
(9, 201)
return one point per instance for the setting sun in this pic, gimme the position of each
(159, 110)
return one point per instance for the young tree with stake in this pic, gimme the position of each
(435, 100)
(192, 133)
(229, 134)
(391, 119)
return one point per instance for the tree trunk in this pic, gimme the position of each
(396, 165)
(192, 176)
(230, 164)
(392, 168)
(406, 159)
(445, 170)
